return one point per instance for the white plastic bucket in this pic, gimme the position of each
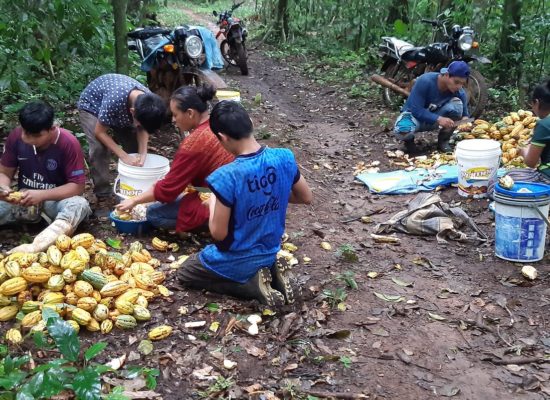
(520, 227)
(228, 95)
(478, 161)
(132, 181)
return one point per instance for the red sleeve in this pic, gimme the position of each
(74, 160)
(9, 158)
(182, 172)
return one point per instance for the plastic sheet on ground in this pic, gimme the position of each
(404, 182)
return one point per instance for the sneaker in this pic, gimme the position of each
(285, 282)
(261, 286)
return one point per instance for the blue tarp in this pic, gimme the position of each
(214, 59)
(403, 182)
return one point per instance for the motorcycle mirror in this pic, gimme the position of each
(215, 13)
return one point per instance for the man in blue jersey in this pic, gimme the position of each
(436, 100)
(247, 215)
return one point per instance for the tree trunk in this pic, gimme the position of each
(121, 46)
(282, 19)
(399, 9)
(510, 49)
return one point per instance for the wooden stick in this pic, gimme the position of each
(336, 395)
(515, 360)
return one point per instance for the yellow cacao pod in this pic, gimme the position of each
(84, 239)
(139, 257)
(53, 298)
(82, 254)
(155, 262)
(160, 332)
(157, 277)
(101, 312)
(141, 268)
(135, 246)
(93, 326)
(124, 307)
(87, 303)
(71, 298)
(54, 255)
(115, 288)
(13, 286)
(145, 282)
(96, 295)
(83, 289)
(106, 326)
(12, 269)
(159, 244)
(4, 300)
(68, 258)
(69, 276)
(14, 336)
(24, 259)
(130, 295)
(141, 313)
(43, 259)
(25, 295)
(142, 301)
(30, 306)
(31, 319)
(77, 266)
(8, 312)
(109, 302)
(82, 317)
(63, 243)
(56, 283)
(36, 274)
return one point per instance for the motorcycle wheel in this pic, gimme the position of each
(477, 94)
(241, 58)
(225, 48)
(390, 98)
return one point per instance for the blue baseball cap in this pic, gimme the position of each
(457, 68)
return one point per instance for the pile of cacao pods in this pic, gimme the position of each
(513, 131)
(84, 283)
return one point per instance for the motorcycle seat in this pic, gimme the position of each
(414, 54)
(148, 32)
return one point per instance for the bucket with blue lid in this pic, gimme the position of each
(521, 218)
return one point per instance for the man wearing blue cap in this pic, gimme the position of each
(436, 100)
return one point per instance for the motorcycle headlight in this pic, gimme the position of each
(465, 41)
(193, 46)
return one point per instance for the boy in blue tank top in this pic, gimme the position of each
(247, 215)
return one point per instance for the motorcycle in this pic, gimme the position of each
(403, 63)
(234, 35)
(172, 58)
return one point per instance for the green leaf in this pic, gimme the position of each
(40, 340)
(150, 377)
(65, 338)
(389, 297)
(94, 350)
(87, 384)
(3, 350)
(116, 394)
(48, 313)
(13, 379)
(24, 395)
(114, 243)
(400, 27)
(399, 282)
(47, 383)
(213, 307)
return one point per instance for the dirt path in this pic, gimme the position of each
(397, 350)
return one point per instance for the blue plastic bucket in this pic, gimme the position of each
(131, 227)
(521, 215)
